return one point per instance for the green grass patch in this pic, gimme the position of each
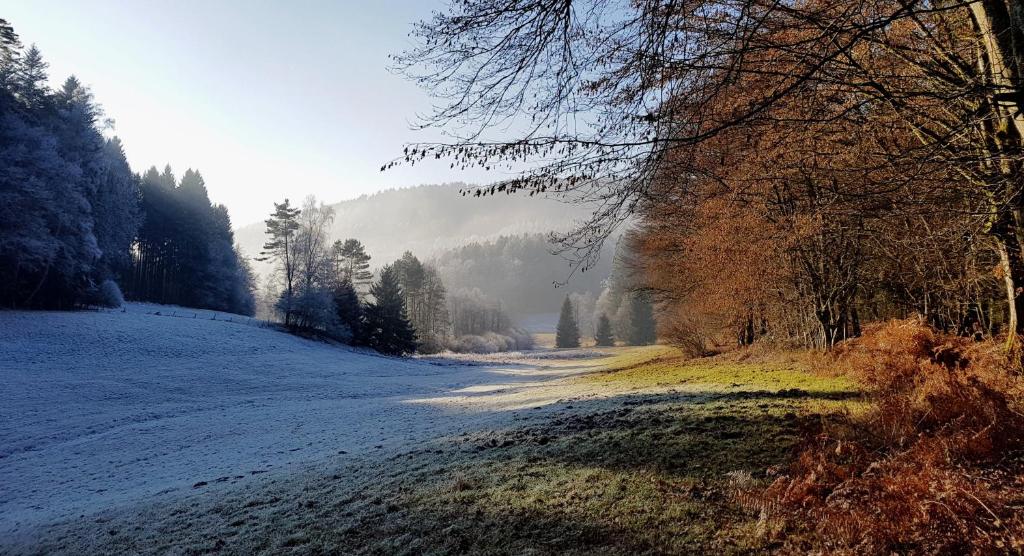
(654, 366)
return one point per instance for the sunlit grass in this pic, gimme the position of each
(643, 472)
(651, 366)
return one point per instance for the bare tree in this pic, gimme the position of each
(621, 95)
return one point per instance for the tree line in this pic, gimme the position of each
(795, 169)
(327, 289)
(76, 224)
(184, 251)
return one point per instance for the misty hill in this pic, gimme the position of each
(431, 220)
(520, 271)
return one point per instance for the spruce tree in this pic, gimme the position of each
(388, 329)
(349, 311)
(10, 58)
(567, 335)
(642, 329)
(603, 336)
(30, 86)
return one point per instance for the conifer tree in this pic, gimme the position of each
(72, 207)
(603, 336)
(425, 301)
(642, 330)
(10, 57)
(30, 85)
(388, 329)
(353, 264)
(567, 335)
(116, 210)
(282, 227)
(349, 311)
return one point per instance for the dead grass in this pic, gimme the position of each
(934, 466)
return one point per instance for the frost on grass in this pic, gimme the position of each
(106, 408)
(637, 472)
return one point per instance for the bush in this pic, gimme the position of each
(931, 467)
(107, 294)
(491, 342)
(430, 345)
(313, 312)
(523, 339)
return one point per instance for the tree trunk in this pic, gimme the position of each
(999, 22)
(1013, 277)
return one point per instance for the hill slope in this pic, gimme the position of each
(104, 409)
(521, 272)
(430, 219)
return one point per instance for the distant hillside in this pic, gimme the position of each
(520, 271)
(431, 219)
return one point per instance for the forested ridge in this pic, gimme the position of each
(327, 289)
(521, 271)
(81, 229)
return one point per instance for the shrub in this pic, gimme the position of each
(491, 342)
(107, 294)
(314, 313)
(933, 466)
(523, 339)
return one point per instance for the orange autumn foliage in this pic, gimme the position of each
(934, 466)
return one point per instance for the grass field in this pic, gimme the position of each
(649, 469)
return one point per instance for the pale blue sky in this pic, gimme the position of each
(266, 99)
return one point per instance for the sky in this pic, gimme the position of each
(266, 99)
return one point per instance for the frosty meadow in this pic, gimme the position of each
(512, 277)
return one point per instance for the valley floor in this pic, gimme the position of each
(136, 432)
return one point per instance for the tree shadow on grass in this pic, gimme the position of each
(692, 435)
(629, 474)
(626, 475)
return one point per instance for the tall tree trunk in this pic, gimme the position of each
(1013, 279)
(1000, 24)
(855, 321)
(1000, 27)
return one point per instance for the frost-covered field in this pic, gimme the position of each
(100, 410)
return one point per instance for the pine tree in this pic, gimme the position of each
(282, 227)
(192, 188)
(567, 335)
(167, 178)
(425, 301)
(643, 328)
(185, 250)
(353, 264)
(603, 336)
(388, 329)
(43, 260)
